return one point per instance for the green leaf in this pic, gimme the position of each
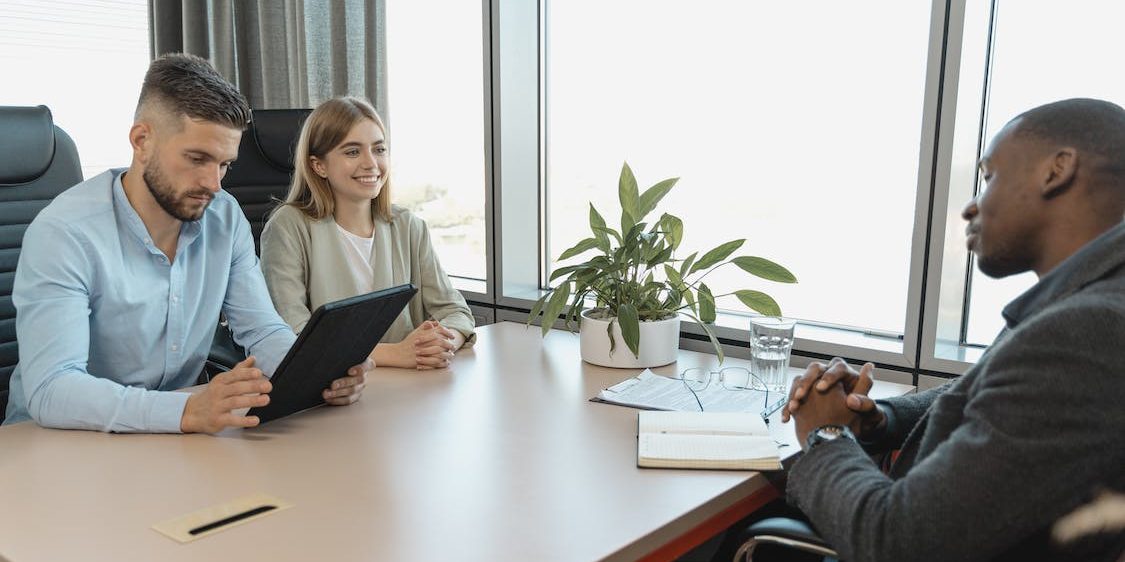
(686, 266)
(568, 269)
(765, 269)
(652, 196)
(759, 301)
(689, 296)
(706, 304)
(554, 306)
(596, 219)
(673, 300)
(674, 278)
(627, 222)
(630, 327)
(584, 245)
(627, 193)
(717, 255)
(535, 310)
(609, 333)
(659, 258)
(575, 309)
(597, 225)
(601, 262)
(673, 229)
(603, 230)
(633, 234)
(711, 335)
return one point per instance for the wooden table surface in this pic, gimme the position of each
(500, 457)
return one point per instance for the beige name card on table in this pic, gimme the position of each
(211, 520)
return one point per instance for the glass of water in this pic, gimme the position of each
(771, 341)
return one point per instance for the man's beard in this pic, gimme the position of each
(161, 189)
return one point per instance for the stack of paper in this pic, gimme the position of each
(651, 391)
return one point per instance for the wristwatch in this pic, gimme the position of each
(828, 433)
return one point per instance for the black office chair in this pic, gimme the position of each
(786, 532)
(257, 180)
(264, 168)
(37, 162)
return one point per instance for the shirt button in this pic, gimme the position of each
(175, 347)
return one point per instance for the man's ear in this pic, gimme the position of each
(1060, 174)
(142, 141)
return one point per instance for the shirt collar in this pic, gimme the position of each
(1093, 261)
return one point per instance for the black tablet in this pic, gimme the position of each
(338, 335)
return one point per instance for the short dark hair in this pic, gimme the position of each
(1091, 126)
(188, 85)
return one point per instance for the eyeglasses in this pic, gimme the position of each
(731, 378)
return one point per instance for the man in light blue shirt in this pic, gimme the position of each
(122, 278)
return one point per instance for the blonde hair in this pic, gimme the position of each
(325, 128)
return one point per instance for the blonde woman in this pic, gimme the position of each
(337, 235)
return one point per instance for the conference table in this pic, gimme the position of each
(500, 457)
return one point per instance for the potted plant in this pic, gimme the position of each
(640, 287)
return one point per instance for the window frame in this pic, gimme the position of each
(932, 345)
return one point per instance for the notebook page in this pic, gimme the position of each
(718, 423)
(706, 447)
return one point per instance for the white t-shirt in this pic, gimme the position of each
(357, 252)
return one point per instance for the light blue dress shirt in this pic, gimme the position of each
(108, 328)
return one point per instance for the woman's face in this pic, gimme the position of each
(358, 167)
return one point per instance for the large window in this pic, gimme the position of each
(839, 139)
(794, 126)
(84, 60)
(436, 120)
(1083, 49)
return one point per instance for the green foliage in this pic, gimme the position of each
(621, 277)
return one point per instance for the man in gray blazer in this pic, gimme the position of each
(990, 460)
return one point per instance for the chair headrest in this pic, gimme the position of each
(275, 132)
(27, 143)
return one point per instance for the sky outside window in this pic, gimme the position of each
(794, 125)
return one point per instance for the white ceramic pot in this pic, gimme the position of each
(660, 343)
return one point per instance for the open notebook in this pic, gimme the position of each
(714, 440)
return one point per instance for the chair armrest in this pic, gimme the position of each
(785, 532)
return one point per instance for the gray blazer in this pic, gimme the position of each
(304, 265)
(990, 460)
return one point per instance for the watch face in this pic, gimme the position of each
(829, 432)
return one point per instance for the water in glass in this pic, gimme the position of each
(771, 341)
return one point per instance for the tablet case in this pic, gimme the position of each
(339, 335)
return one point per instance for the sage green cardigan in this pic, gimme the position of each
(304, 266)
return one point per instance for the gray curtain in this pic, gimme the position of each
(282, 53)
